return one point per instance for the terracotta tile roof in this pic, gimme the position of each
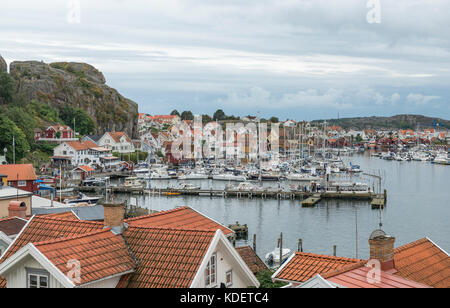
(81, 146)
(303, 266)
(85, 168)
(424, 262)
(12, 225)
(167, 258)
(24, 172)
(117, 135)
(356, 277)
(64, 216)
(101, 254)
(42, 228)
(179, 218)
(249, 255)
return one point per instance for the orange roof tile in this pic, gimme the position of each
(42, 228)
(117, 135)
(22, 172)
(168, 258)
(101, 254)
(81, 146)
(65, 216)
(356, 277)
(303, 266)
(178, 218)
(424, 262)
(85, 168)
(251, 259)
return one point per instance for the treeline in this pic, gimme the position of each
(219, 115)
(20, 118)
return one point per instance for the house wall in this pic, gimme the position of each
(4, 203)
(226, 262)
(17, 277)
(30, 186)
(3, 245)
(121, 147)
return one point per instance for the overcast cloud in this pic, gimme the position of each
(302, 59)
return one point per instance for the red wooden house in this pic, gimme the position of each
(20, 176)
(55, 132)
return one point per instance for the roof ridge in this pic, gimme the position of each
(344, 269)
(68, 220)
(158, 213)
(172, 229)
(70, 238)
(310, 254)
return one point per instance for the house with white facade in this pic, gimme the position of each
(77, 153)
(52, 252)
(117, 142)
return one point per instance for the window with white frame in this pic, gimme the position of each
(37, 279)
(210, 271)
(22, 183)
(229, 278)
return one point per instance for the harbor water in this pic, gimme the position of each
(418, 206)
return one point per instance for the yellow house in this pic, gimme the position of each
(3, 180)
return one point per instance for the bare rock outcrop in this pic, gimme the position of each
(79, 85)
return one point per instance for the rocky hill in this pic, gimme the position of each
(79, 85)
(405, 121)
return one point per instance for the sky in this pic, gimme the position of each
(295, 59)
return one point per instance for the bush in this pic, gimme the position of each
(265, 280)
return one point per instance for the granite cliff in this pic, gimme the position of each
(79, 85)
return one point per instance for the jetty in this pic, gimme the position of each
(311, 201)
(307, 198)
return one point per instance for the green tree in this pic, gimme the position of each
(26, 122)
(187, 115)
(206, 119)
(274, 120)
(78, 119)
(358, 138)
(219, 115)
(7, 87)
(8, 129)
(175, 112)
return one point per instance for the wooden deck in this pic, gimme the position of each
(308, 198)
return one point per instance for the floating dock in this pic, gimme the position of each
(378, 203)
(308, 198)
(311, 201)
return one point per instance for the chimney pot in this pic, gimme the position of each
(17, 209)
(382, 249)
(113, 215)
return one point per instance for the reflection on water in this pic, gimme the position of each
(418, 206)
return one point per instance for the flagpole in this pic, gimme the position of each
(14, 151)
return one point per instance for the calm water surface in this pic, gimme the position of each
(418, 206)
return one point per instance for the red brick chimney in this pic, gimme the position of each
(382, 249)
(17, 209)
(113, 215)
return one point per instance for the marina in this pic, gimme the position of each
(412, 202)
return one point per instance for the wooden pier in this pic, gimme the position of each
(308, 198)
